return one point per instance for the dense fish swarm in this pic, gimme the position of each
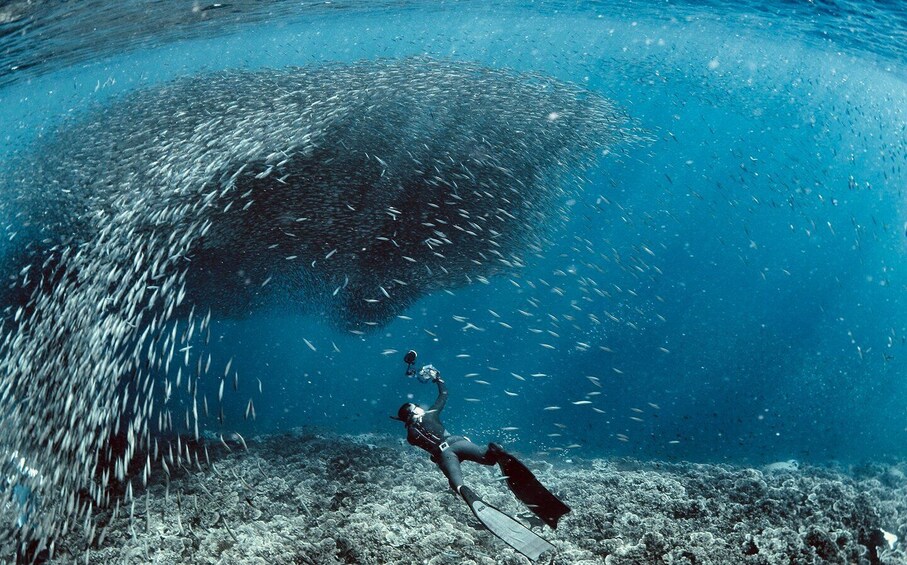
(350, 190)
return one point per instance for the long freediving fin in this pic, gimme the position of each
(528, 489)
(513, 533)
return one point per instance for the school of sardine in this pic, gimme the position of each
(348, 191)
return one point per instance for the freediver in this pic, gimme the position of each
(425, 430)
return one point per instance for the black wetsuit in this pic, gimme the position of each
(446, 450)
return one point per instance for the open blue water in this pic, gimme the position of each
(735, 284)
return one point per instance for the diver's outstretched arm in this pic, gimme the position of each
(442, 396)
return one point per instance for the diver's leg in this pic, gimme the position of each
(450, 464)
(472, 452)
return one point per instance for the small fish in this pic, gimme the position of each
(581, 402)
(550, 408)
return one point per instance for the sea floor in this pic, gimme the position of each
(317, 498)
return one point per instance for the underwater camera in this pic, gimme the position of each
(426, 374)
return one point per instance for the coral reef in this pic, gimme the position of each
(317, 498)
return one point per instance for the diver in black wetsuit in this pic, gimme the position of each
(425, 430)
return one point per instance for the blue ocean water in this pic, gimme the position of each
(730, 289)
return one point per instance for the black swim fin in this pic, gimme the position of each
(514, 534)
(528, 489)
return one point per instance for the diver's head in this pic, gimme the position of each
(408, 411)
